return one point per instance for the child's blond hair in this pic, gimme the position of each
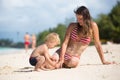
(52, 37)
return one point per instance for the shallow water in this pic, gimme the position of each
(8, 50)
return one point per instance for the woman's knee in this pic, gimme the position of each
(73, 62)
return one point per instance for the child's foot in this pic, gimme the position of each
(46, 68)
(37, 70)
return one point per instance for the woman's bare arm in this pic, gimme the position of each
(98, 43)
(65, 44)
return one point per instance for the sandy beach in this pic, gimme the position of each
(16, 66)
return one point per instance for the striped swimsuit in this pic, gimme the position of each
(67, 56)
(74, 37)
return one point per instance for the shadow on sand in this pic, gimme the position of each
(25, 69)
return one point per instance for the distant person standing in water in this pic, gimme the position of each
(26, 41)
(33, 41)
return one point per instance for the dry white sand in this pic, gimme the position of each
(16, 66)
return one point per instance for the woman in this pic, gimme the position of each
(77, 38)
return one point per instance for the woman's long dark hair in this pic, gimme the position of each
(85, 29)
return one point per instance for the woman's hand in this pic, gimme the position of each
(59, 65)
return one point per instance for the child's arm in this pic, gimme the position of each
(55, 57)
(47, 57)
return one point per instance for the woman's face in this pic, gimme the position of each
(79, 19)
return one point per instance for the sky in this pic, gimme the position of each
(33, 16)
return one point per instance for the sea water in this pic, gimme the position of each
(9, 50)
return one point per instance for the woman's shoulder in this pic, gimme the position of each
(94, 24)
(72, 25)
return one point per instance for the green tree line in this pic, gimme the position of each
(109, 25)
(10, 43)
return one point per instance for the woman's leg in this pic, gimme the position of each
(71, 63)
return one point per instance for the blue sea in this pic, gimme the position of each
(8, 50)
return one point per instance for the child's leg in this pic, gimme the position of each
(46, 66)
(43, 66)
(40, 61)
